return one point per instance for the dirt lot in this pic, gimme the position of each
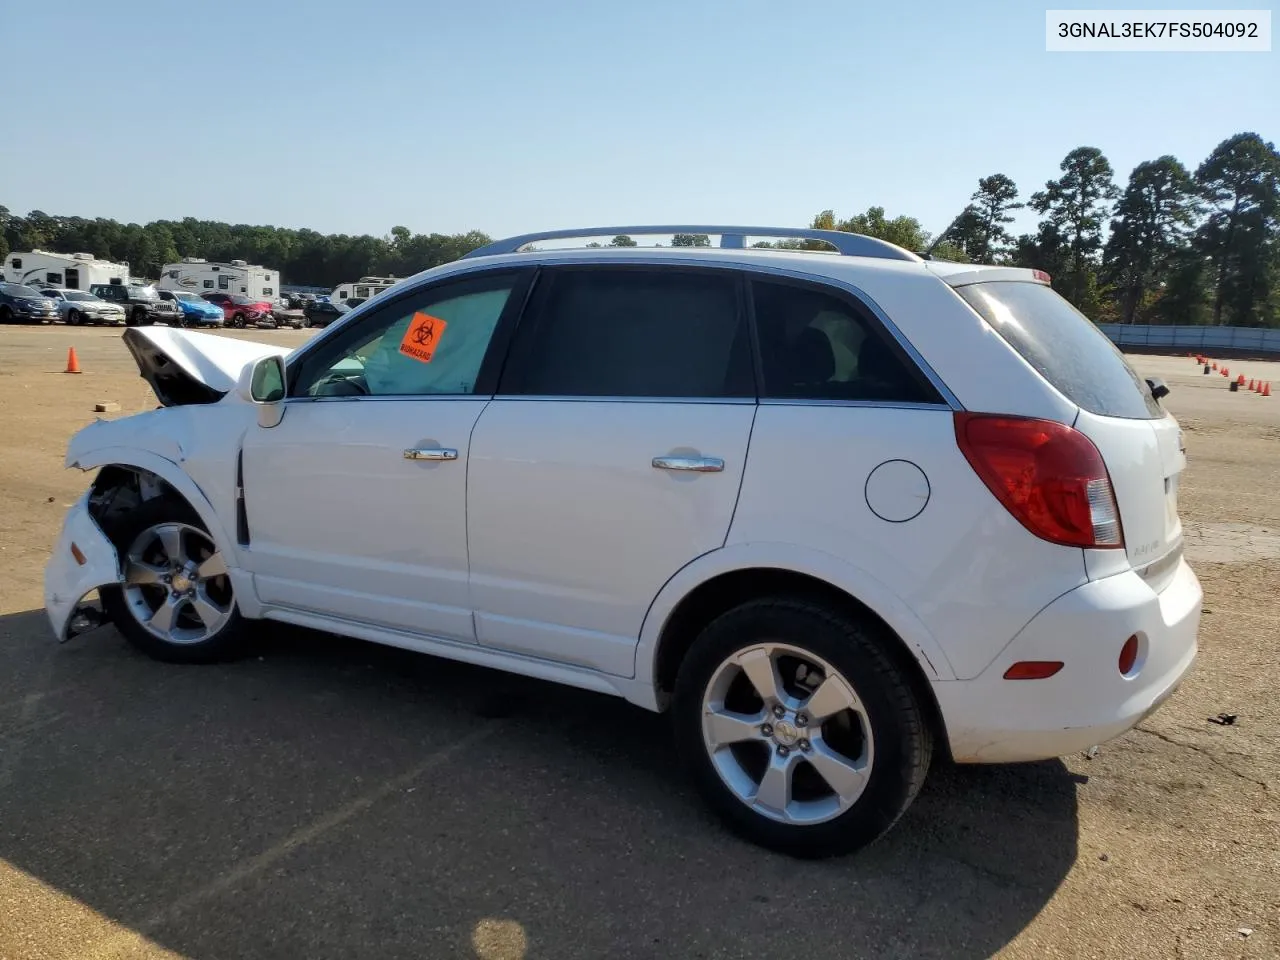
(335, 799)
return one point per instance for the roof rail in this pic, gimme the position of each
(734, 238)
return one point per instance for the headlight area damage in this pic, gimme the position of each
(84, 558)
(183, 368)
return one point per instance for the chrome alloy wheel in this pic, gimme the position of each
(787, 734)
(176, 584)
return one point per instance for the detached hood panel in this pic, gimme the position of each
(184, 367)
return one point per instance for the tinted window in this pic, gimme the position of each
(817, 346)
(20, 290)
(634, 333)
(53, 278)
(431, 343)
(1064, 346)
(207, 285)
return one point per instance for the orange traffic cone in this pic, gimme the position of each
(1240, 379)
(73, 365)
(1251, 386)
(1215, 364)
(1266, 389)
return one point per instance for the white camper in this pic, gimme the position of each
(362, 289)
(237, 278)
(69, 271)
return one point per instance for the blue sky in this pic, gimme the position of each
(516, 116)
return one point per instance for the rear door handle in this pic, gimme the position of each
(432, 453)
(692, 464)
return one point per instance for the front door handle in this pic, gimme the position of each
(432, 453)
(692, 464)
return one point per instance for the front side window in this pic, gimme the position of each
(16, 263)
(207, 285)
(633, 333)
(818, 346)
(433, 343)
(54, 278)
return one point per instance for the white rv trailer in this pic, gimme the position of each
(70, 271)
(236, 278)
(362, 289)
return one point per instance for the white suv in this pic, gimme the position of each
(836, 512)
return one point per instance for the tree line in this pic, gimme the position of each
(1172, 246)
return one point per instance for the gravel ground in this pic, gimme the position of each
(335, 799)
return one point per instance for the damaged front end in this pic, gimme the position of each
(83, 560)
(183, 367)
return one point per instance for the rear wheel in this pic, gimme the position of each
(798, 728)
(238, 321)
(73, 318)
(176, 603)
(6, 315)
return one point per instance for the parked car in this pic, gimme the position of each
(321, 313)
(196, 311)
(283, 315)
(142, 304)
(239, 311)
(76, 306)
(20, 302)
(835, 513)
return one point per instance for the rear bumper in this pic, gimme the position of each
(993, 720)
(66, 578)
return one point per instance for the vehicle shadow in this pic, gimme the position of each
(328, 798)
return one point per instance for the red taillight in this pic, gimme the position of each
(1049, 476)
(1041, 276)
(1033, 670)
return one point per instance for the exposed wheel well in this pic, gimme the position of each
(118, 489)
(728, 590)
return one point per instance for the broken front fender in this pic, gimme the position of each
(83, 560)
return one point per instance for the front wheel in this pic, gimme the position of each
(238, 321)
(176, 603)
(73, 318)
(798, 728)
(6, 315)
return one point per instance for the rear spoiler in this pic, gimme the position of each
(960, 277)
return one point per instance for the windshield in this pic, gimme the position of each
(1064, 346)
(243, 301)
(20, 290)
(185, 296)
(78, 295)
(144, 293)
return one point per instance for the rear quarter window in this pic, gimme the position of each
(1064, 346)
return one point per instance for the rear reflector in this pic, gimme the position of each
(1049, 476)
(1129, 655)
(78, 554)
(1033, 669)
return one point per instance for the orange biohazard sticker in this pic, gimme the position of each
(422, 337)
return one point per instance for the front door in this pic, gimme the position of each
(356, 500)
(610, 459)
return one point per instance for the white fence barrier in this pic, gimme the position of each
(1260, 340)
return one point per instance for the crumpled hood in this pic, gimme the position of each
(186, 367)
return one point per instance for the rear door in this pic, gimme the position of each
(611, 458)
(1140, 442)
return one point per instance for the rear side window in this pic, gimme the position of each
(633, 333)
(816, 346)
(1065, 347)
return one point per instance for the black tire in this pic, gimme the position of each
(903, 741)
(225, 644)
(237, 321)
(73, 318)
(138, 318)
(6, 315)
